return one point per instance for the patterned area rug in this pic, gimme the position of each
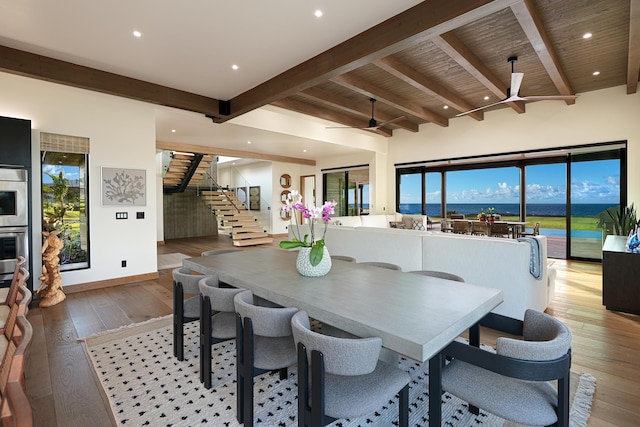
(166, 261)
(146, 385)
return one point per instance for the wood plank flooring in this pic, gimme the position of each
(64, 392)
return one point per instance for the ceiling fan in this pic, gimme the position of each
(373, 123)
(512, 92)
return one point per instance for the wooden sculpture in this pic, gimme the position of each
(50, 289)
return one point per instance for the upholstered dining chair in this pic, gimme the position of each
(219, 251)
(343, 258)
(439, 274)
(346, 379)
(514, 382)
(184, 311)
(264, 342)
(387, 265)
(20, 308)
(217, 321)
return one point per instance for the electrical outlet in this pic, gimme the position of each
(123, 263)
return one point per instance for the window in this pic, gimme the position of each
(349, 188)
(65, 197)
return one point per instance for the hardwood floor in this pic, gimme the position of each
(64, 392)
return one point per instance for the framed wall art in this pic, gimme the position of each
(254, 198)
(123, 187)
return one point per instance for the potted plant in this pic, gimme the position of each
(623, 220)
(482, 216)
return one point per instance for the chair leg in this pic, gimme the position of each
(403, 407)
(317, 389)
(178, 321)
(248, 373)
(240, 362)
(303, 387)
(563, 401)
(205, 341)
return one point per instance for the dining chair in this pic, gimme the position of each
(16, 408)
(217, 321)
(461, 227)
(515, 382)
(439, 274)
(184, 311)
(18, 309)
(346, 379)
(343, 258)
(500, 229)
(534, 232)
(380, 264)
(264, 342)
(219, 252)
(479, 228)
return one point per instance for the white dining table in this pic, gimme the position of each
(416, 316)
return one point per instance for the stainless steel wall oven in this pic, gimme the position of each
(14, 219)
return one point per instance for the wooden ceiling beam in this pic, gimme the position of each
(532, 26)
(336, 101)
(633, 61)
(322, 113)
(459, 52)
(53, 70)
(359, 85)
(217, 151)
(411, 76)
(421, 22)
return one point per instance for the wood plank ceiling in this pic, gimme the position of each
(433, 55)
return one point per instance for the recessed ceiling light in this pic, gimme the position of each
(173, 131)
(486, 98)
(304, 151)
(596, 73)
(137, 33)
(318, 13)
(234, 67)
(248, 142)
(587, 36)
(446, 107)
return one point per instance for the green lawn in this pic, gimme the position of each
(553, 222)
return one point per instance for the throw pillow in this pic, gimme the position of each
(418, 224)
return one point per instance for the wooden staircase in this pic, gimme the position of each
(235, 218)
(179, 174)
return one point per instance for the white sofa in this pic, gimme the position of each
(494, 262)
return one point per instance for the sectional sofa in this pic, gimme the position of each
(487, 261)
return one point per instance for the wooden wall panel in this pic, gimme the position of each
(186, 215)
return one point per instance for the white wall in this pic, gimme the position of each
(599, 116)
(122, 134)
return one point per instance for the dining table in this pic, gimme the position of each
(415, 315)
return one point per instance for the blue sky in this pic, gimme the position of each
(69, 172)
(592, 182)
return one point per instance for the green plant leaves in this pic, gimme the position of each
(317, 250)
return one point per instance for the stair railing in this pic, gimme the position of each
(213, 185)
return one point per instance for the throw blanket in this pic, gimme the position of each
(535, 261)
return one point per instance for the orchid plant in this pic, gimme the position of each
(313, 215)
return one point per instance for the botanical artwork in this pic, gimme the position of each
(123, 187)
(254, 198)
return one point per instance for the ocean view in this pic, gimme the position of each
(533, 209)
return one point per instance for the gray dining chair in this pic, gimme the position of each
(346, 379)
(387, 265)
(343, 258)
(264, 342)
(217, 320)
(184, 311)
(515, 382)
(219, 252)
(439, 274)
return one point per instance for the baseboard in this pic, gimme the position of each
(278, 235)
(110, 282)
(160, 242)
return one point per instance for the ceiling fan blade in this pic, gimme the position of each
(342, 127)
(388, 122)
(516, 81)
(549, 97)
(486, 106)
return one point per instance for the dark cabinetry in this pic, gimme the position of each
(15, 142)
(620, 276)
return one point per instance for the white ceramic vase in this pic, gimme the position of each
(303, 263)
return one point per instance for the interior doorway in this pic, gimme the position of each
(308, 191)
